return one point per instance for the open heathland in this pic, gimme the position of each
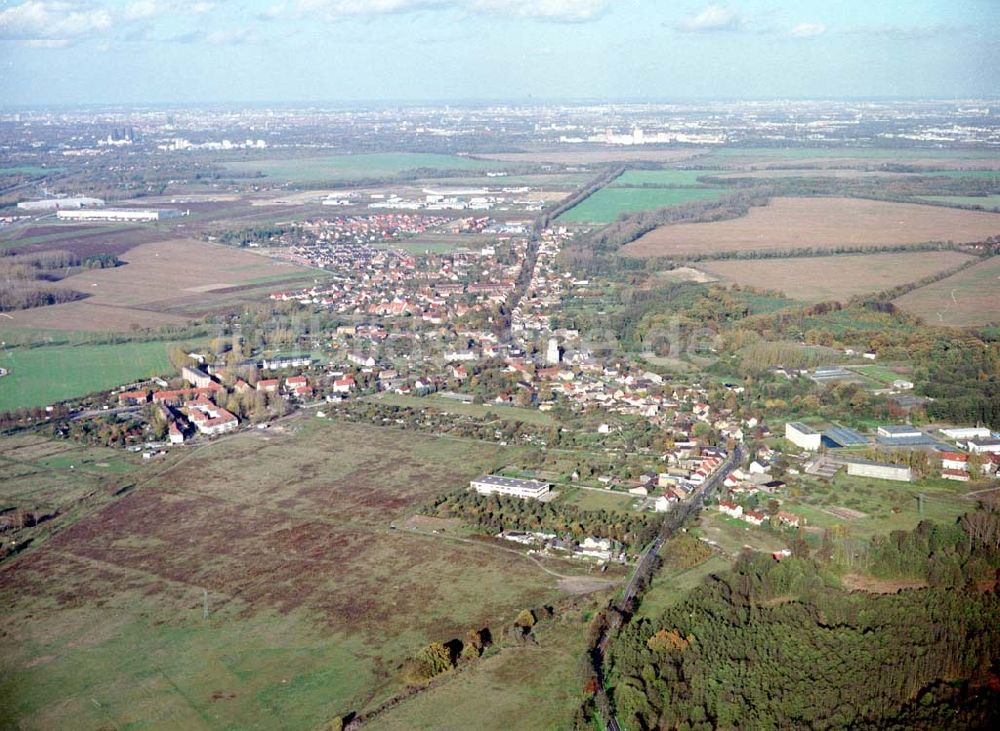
(354, 167)
(536, 686)
(607, 204)
(161, 283)
(47, 375)
(254, 583)
(822, 278)
(792, 223)
(966, 299)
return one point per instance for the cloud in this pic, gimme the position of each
(807, 30)
(562, 10)
(47, 21)
(712, 19)
(142, 9)
(553, 10)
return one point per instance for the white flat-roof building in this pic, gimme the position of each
(966, 432)
(514, 486)
(899, 431)
(54, 204)
(803, 436)
(119, 215)
(983, 445)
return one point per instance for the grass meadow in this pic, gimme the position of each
(313, 601)
(607, 204)
(46, 375)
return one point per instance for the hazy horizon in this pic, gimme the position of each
(137, 52)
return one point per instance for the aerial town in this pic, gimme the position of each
(594, 409)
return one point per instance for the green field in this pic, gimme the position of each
(28, 170)
(986, 202)
(599, 499)
(887, 505)
(963, 173)
(313, 601)
(46, 375)
(883, 375)
(355, 167)
(478, 411)
(655, 178)
(607, 204)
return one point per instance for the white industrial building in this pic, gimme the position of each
(118, 215)
(879, 470)
(516, 487)
(966, 432)
(803, 436)
(983, 445)
(55, 204)
(899, 431)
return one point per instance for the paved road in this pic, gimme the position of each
(644, 566)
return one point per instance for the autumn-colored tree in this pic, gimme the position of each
(525, 620)
(668, 641)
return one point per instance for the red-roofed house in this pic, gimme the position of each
(754, 517)
(344, 385)
(789, 518)
(268, 385)
(293, 382)
(731, 509)
(209, 418)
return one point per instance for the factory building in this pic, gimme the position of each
(57, 204)
(120, 215)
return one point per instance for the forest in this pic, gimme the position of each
(781, 645)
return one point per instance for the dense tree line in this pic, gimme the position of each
(255, 234)
(25, 277)
(779, 645)
(25, 295)
(495, 513)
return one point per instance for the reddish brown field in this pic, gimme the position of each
(816, 279)
(789, 223)
(82, 240)
(162, 283)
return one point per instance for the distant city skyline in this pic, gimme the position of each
(315, 51)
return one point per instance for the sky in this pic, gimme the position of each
(223, 51)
